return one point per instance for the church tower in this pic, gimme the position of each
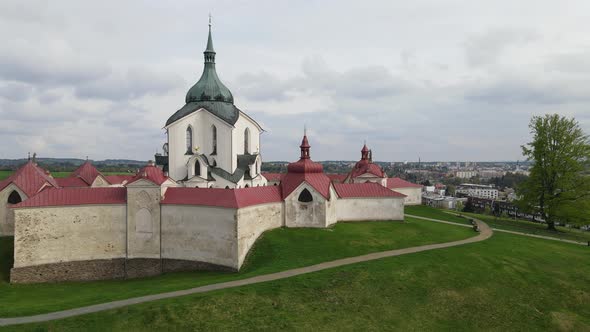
(211, 142)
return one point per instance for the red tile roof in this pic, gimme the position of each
(319, 181)
(273, 176)
(119, 179)
(337, 178)
(393, 183)
(86, 172)
(76, 196)
(364, 166)
(150, 173)
(228, 198)
(369, 189)
(30, 178)
(70, 182)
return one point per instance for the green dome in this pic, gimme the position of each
(209, 87)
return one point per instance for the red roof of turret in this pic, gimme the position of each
(76, 196)
(305, 170)
(363, 166)
(30, 178)
(228, 198)
(370, 189)
(150, 173)
(86, 172)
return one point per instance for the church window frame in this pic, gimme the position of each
(213, 140)
(247, 140)
(189, 140)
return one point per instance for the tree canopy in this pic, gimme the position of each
(558, 187)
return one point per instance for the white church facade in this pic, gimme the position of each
(201, 205)
(212, 143)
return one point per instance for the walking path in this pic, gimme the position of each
(485, 233)
(511, 232)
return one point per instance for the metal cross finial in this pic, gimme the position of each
(305, 129)
(210, 20)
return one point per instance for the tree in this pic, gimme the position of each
(558, 187)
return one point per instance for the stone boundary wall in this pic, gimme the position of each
(107, 269)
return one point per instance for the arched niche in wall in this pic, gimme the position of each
(143, 221)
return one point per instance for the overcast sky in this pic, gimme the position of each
(440, 80)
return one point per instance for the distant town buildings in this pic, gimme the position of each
(477, 190)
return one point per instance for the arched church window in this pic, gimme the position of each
(226, 187)
(246, 186)
(189, 139)
(305, 196)
(246, 141)
(197, 168)
(214, 139)
(14, 198)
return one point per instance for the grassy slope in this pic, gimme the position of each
(279, 249)
(508, 282)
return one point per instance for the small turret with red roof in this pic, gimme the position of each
(365, 167)
(305, 170)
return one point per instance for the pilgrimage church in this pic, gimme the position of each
(200, 206)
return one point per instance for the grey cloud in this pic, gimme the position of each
(15, 91)
(37, 69)
(520, 91)
(131, 84)
(318, 79)
(486, 48)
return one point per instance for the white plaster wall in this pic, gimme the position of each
(367, 209)
(60, 234)
(200, 233)
(201, 122)
(6, 214)
(413, 195)
(299, 214)
(253, 221)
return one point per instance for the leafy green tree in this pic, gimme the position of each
(558, 187)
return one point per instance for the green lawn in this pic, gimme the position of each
(277, 250)
(506, 283)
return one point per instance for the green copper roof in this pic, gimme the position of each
(209, 93)
(225, 111)
(209, 87)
